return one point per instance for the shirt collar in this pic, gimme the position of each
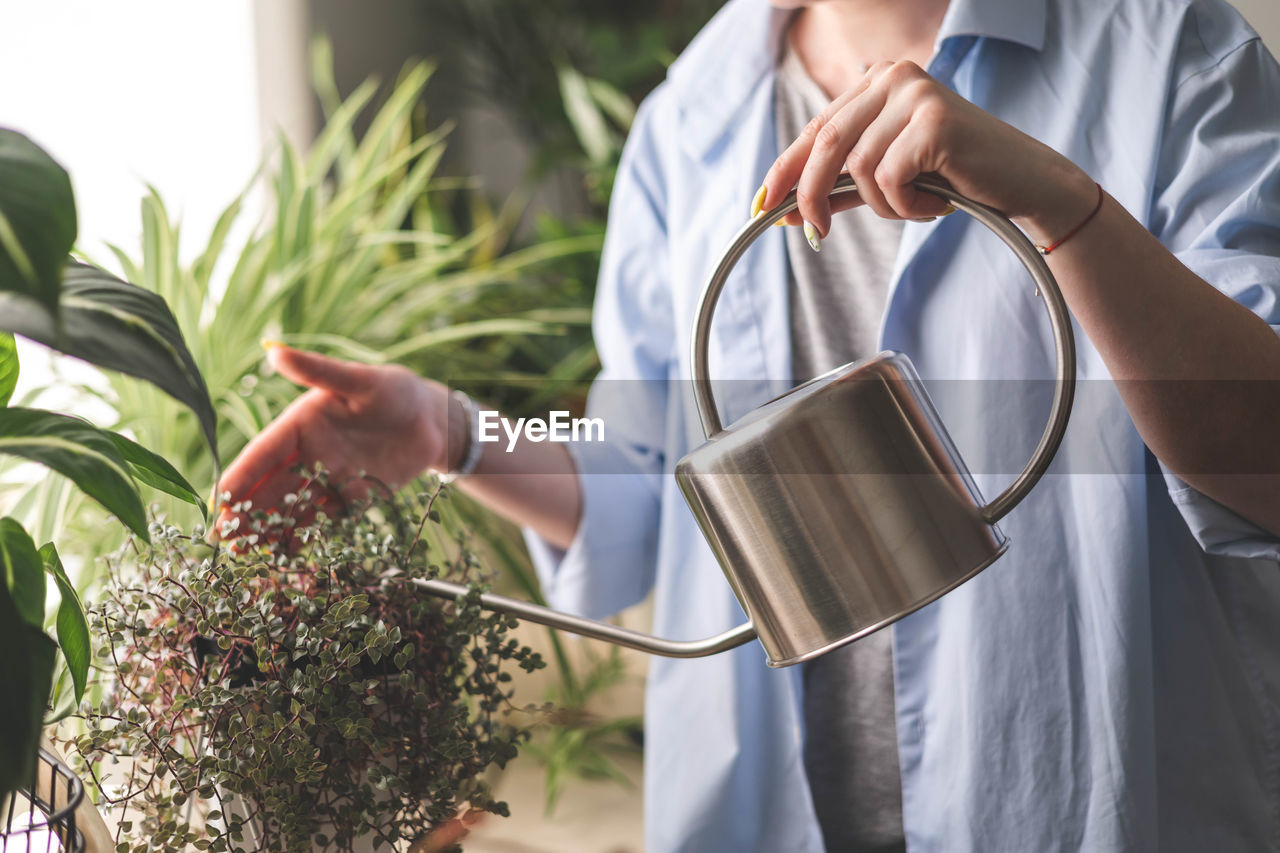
(1018, 21)
(716, 75)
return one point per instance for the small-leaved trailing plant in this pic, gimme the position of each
(291, 692)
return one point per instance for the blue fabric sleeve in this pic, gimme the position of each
(1217, 207)
(610, 564)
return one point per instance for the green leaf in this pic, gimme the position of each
(119, 326)
(26, 675)
(62, 700)
(585, 116)
(37, 220)
(463, 331)
(23, 571)
(619, 107)
(73, 627)
(8, 368)
(79, 451)
(150, 468)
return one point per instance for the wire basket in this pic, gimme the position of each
(42, 818)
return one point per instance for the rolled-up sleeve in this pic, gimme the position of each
(1217, 207)
(610, 563)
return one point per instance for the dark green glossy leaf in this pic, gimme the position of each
(73, 627)
(23, 572)
(62, 699)
(26, 676)
(8, 368)
(149, 468)
(119, 326)
(77, 450)
(37, 220)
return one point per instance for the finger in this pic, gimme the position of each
(347, 378)
(785, 171)
(313, 498)
(864, 160)
(265, 456)
(907, 157)
(268, 468)
(889, 87)
(845, 201)
(915, 148)
(269, 496)
(449, 833)
(267, 492)
(826, 160)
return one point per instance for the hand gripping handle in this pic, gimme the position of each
(1046, 287)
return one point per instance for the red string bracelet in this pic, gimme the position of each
(1044, 250)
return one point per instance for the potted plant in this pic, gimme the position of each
(291, 692)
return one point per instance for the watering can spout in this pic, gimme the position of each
(615, 634)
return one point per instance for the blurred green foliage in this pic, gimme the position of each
(517, 51)
(567, 75)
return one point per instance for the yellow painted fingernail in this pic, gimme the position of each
(948, 210)
(811, 234)
(271, 343)
(780, 223)
(757, 203)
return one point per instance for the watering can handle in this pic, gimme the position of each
(1046, 287)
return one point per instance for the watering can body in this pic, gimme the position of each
(851, 476)
(842, 505)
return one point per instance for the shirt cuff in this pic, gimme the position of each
(1220, 530)
(609, 565)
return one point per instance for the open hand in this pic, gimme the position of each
(356, 419)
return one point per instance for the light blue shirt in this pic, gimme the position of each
(1113, 682)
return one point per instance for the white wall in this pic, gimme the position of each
(124, 94)
(135, 91)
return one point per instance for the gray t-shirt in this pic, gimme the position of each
(837, 299)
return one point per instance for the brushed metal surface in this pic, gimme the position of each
(615, 634)
(838, 508)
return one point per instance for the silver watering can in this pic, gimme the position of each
(841, 506)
